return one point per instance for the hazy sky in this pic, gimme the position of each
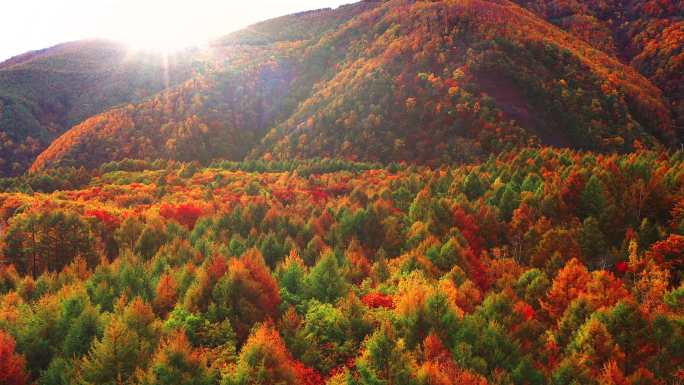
(33, 24)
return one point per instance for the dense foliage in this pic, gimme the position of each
(649, 35)
(44, 93)
(359, 196)
(425, 81)
(532, 267)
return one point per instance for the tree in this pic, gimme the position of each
(47, 240)
(81, 333)
(532, 285)
(325, 281)
(128, 232)
(592, 198)
(113, 359)
(175, 362)
(671, 253)
(264, 359)
(472, 186)
(326, 333)
(152, 237)
(245, 295)
(569, 284)
(385, 360)
(439, 368)
(510, 199)
(12, 370)
(291, 275)
(167, 293)
(593, 242)
(60, 372)
(595, 347)
(186, 213)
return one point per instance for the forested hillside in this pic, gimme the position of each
(648, 35)
(539, 267)
(391, 192)
(44, 93)
(428, 82)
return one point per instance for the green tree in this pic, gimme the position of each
(592, 198)
(325, 281)
(113, 359)
(152, 237)
(385, 360)
(592, 241)
(326, 334)
(472, 186)
(291, 275)
(47, 240)
(81, 333)
(510, 199)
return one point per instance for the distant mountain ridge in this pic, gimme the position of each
(419, 81)
(43, 93)
(646, 34)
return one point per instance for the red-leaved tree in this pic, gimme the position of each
(12, 365)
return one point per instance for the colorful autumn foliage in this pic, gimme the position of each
(12, 365)
(376, 300)
(447, 81)
(186, 214)
(327, 271)
(358, 196)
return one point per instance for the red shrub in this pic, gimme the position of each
(185, 214)
(376, 300)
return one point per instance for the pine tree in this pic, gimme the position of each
(325, 281)
(385, 360)
(592, 199)
(176, 363)
(113, 359)
(510, 199)
(472, 186)
(593, 242)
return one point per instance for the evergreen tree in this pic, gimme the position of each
(113, 359)
(592, 199)
(510, 199)
(325, 281)
(593, 242)
(385, 360)
(472, 186)
(175, 363)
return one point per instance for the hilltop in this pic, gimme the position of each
(426, 82)
(46, 92)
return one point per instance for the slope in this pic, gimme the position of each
(45, 92)
(648, 35)
(256, 79)
(422, 76)
(427, 82)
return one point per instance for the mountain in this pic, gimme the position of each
(427, 82)
(44, 93)
(648, 35)
(391, 192)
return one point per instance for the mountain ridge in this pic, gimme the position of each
(359, 84)
(355, 45)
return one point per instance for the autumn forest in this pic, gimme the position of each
(387, 193)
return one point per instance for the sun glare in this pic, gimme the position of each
(159, 44)
(163, 26)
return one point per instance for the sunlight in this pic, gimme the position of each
(158, 27)
(150, 25)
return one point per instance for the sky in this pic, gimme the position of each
(27, 25)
